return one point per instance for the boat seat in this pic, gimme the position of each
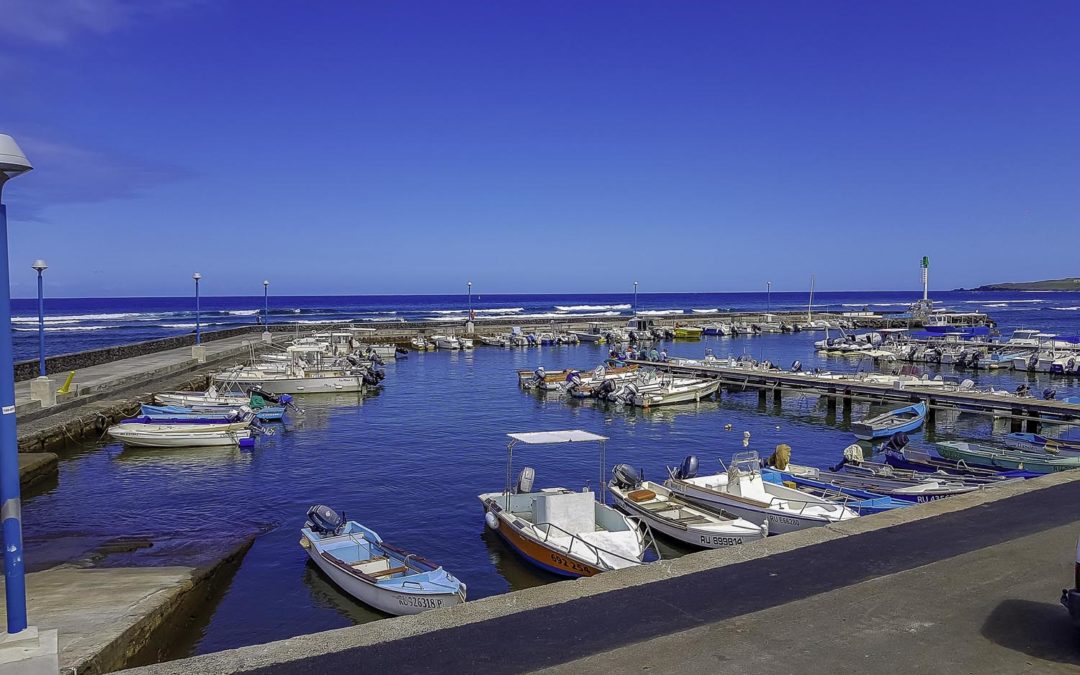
(692, 519)
(641, 495)
(388, 572)
(372, 565)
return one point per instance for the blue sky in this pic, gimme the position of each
(404, 147)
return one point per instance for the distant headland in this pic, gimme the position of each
(1068, 284)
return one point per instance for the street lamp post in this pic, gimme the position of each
(198, 332)
(266, 303)
(40, 266)
(635, 298)
(768, 300)
(12, 163)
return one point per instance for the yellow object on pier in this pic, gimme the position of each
(67, 384)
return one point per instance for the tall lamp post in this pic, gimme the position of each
(40, 266)
(469, 321)
(12, 163)
(266, 303)
(635, 298)
(768, 296)
(198, 332)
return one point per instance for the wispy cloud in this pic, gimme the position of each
(66, 174)
(54, 22)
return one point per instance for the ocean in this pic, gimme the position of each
(75, 324)
(410, 459)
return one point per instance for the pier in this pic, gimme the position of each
(842, 392)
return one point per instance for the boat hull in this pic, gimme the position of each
(545, 557)
(137, 439)
(779, 523)
(305, 385)
(713, 537)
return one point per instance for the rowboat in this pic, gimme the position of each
(908, 418)
(743, 491)
(212, 396)
(677, 518)
(562, 531)
(903, 458)
(374, 572)
(924, 488)
(269, 413)
(984, 455)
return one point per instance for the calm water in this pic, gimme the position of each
(409, 462)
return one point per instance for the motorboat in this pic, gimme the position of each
(743, 491)
(676, 390)
(678, 518)
(908, 418)
(567, 533)
(1038, 443)
(861, 501)
(374, 572)
(688, 332)
(146, 432)
(446, 342)
(593, 333)
(212, 396)
(309, 373)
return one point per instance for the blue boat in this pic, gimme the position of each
(374, 572)
(861, 501)
(269, 413)
(1038, 443)
(924, 462)
(908, 418)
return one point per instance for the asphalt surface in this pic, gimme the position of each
(1018, 550)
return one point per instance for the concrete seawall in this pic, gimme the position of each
(558, 623)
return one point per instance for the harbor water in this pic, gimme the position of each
(410, 459)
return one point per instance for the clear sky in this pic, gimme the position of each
(404, 147)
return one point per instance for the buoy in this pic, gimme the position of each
(491, 520)
(727, 427)
(746, 439)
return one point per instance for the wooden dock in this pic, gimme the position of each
(843, 392)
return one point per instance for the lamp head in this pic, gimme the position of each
(12, 160)
(196, 276)
(40, 266)
(265, 283)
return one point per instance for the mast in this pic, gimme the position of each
(810, 307)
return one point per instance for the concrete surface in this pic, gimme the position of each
(29, 652)
(43, 390)
(35, 467)
(108, 617)
(1027, 530)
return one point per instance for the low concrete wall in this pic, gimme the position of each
(386, 631)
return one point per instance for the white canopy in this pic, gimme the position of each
(572, 436)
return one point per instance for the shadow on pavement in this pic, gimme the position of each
(1039, 629)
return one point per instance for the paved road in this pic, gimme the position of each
(973, 590)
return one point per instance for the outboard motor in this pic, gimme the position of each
(796, 367)
(606, 387)
(897, 441)
(626, 476)
(688, 468)
(1049, 394)
(351, 358)
(1022, 390)
(325, 520)
(369, 377)
(525, 481)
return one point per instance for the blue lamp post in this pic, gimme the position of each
(198, 333)
(635, 298)
(266, 303)
(40, 266)
(12, 163)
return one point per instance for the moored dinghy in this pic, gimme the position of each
(908, 418)
(564, 532)
(677, 518)
(374, 572)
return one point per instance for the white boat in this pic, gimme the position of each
(493, 340)
(180, 436)
(562, 531)
(382, 576)
(465, 343)
(594, 332)
(212, 396)
(673, 391)
(420, 344)
(446, 342)
(309, 373)
(742, 491)
(677, 518)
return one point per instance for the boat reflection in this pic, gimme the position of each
(325, 594)
(517, 573)
(184, 457)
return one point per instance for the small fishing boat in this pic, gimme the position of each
(1038, 443)
(156, 435)
(985, 455)
(446, 342)
(743, 491)
(374, 572)
(908, 418)
(899, 457)
(268, 413)
(677, 518)
(688, 332)
(594, 332)
(212, 396)
(562, 531)
(675, 390)
(861, 501)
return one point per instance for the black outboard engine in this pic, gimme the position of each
(1049, 394)
(606, 387)
(626, 476)
(897, 441)
(325, 520)
(1022, 390)
(796, 367)
(688, 468)
(351, 358)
